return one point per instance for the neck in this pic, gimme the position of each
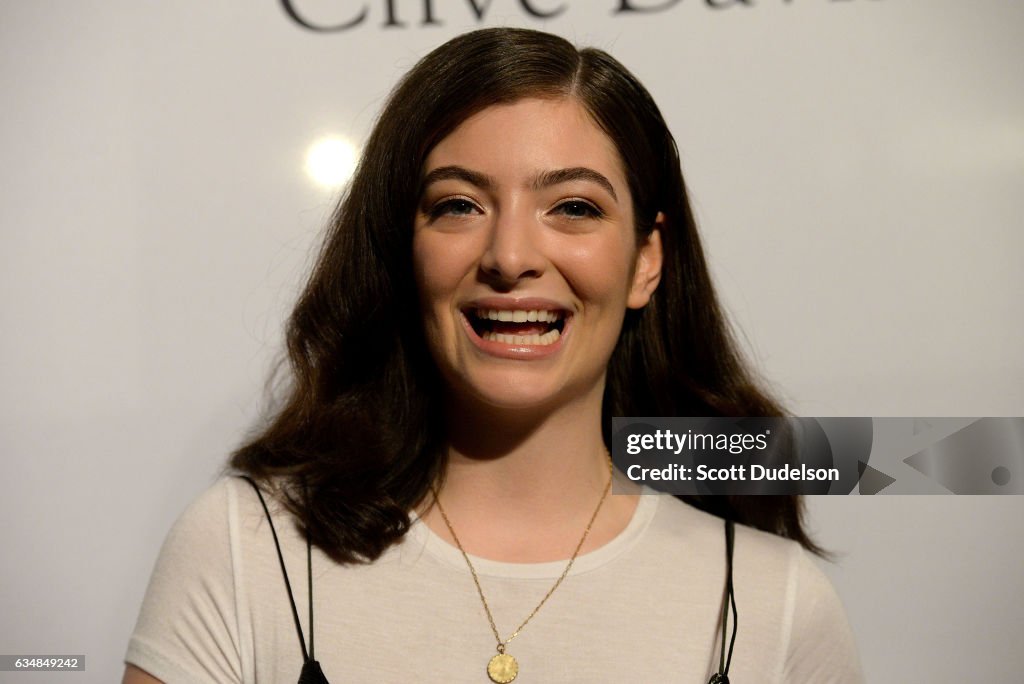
(521, 485)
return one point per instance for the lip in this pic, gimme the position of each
(522, 352)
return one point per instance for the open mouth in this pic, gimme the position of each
(534, 327)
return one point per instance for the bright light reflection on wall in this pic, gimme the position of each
(330, 162)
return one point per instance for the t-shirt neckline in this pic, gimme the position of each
(425, 539)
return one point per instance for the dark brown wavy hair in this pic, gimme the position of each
(357, 439)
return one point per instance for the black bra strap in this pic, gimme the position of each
(722, 676)
(309, 574)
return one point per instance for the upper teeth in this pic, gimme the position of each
(519, 315)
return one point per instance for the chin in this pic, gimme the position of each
(515, 393)
(522, 390)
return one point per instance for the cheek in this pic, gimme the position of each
(601, 273)
(439, 267)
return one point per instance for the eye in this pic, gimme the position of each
(578, 209)
(455, 206)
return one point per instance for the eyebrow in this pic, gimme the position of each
(576, 173)
(458, 173)
(543, 180)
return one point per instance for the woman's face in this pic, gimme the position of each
(526, 256)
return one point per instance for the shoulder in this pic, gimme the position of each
(200, 537)
(188, 627)
(227, 513)
(230, 534)
(792, 625)
(782, 585)
(768, 569)
(821, 646)
(207, 513)
(703, 533)
(767, 558)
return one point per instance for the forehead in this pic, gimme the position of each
(528, 136)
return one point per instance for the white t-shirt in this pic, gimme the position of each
(642, 609)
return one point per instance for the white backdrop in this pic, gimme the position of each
(857, 167)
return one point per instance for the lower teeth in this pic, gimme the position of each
(547, 338)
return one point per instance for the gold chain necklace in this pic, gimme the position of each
(503, 668)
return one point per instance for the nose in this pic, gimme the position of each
(513, 251)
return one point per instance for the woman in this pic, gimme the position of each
(514, 263)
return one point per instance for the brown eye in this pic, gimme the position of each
(453, 207)
(578, 209)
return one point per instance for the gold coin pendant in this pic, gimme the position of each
(502, 669)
